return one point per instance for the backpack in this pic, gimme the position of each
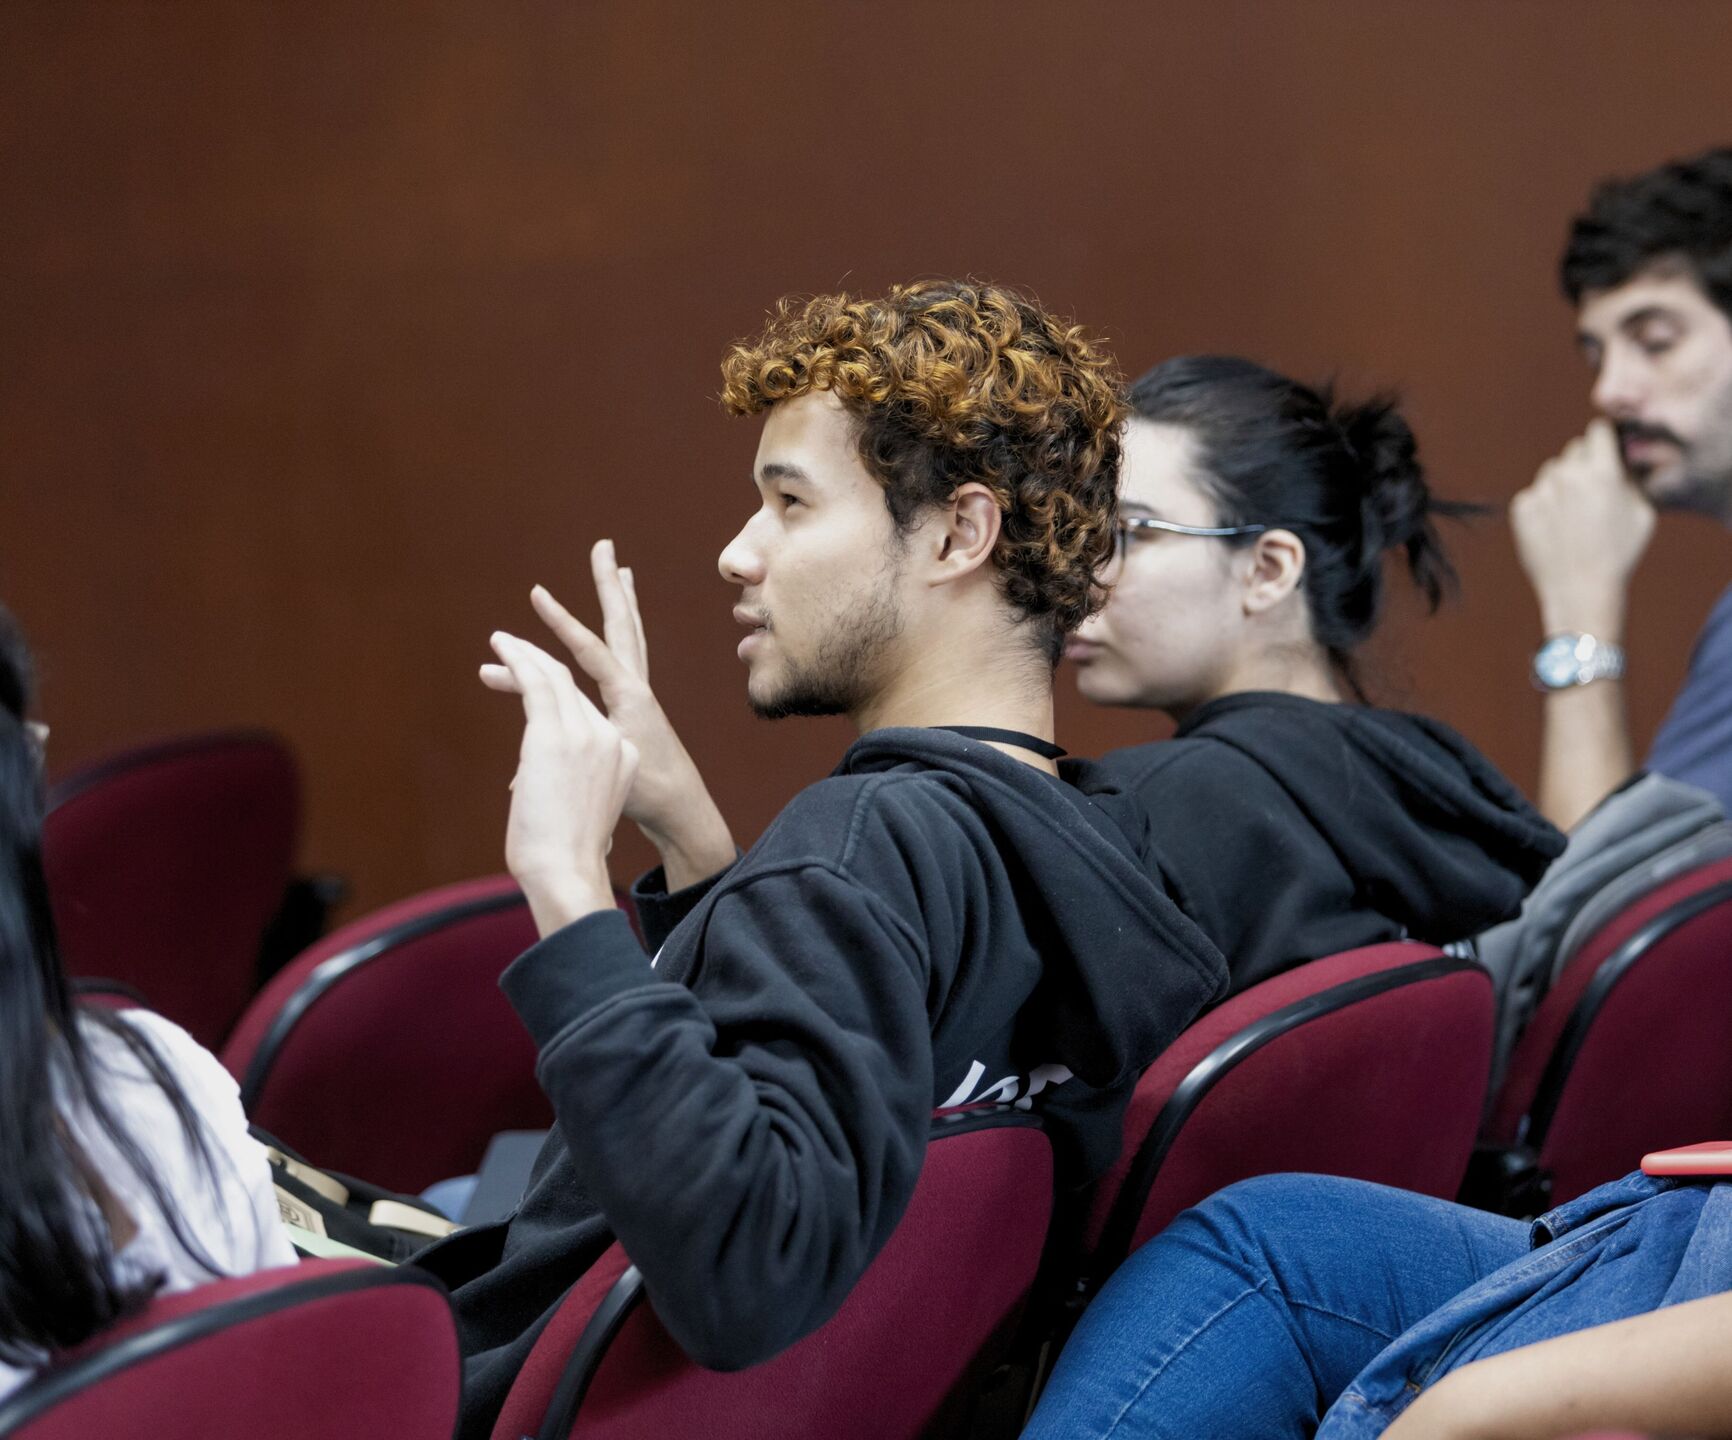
(1637, 838)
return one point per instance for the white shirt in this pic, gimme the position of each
(236, 1221)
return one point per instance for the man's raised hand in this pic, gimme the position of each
(574, 770)
(668, 800)
(1580, 529)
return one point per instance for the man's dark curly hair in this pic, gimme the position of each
(1679, 213)
(956, 381)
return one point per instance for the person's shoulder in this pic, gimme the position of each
(200, 1075)
(1192, 762)
(1717, 630)
(217, 1171)
(834, 817)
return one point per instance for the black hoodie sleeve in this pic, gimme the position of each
(659, 909)
(752, 1140)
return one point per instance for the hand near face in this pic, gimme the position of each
(667, 799)
(574, 770)
(1580, 530)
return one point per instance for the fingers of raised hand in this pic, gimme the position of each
(548, 691)
(617, 621)
(586, 647)
(1601, 440)
(1541, 497)
(499, 677)
(1592, 459)
(526, 676)
(629, 580)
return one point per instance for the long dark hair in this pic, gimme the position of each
(1345, 478)
(59, 1281)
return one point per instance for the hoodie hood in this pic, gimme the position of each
(1437, 838)
(1124, 970)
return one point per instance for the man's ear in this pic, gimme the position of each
(1277, 567)
(963, 533)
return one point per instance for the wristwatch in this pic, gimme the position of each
(1570, 658)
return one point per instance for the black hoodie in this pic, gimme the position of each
(1290, 828)
(934, 924)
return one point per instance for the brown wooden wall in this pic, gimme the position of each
(328, 328)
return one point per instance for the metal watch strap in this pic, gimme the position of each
(1569, 659)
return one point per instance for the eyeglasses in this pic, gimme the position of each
(1132, 524)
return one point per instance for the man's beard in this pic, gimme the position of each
(843, 675)
(1700, 479)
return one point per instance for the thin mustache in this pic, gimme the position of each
(1637, 430)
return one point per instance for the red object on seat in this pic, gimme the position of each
(1628, 1052)
(387, 1050)
(165, 864)
(1711, 1157)
(337, 1350)
(932, 1314)
(1371, 1064)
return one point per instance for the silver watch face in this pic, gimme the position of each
(1558, 664)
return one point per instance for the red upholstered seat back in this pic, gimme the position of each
(1603, 1075)
(1371, 1064)
(165, 865)
(933, 1312)
(387, 1050)
(333, 1350)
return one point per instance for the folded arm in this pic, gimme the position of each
(1667, 1372)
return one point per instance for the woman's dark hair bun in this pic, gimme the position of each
(1396, 505)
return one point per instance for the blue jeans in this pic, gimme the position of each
(1252, 1312)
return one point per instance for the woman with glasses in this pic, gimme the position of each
(1292, 818)
(126, 1168)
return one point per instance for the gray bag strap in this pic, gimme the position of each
(1636, 839)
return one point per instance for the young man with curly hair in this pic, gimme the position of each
(945, 919)
(1649, 270)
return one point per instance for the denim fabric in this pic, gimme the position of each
(1624, 1249)
(1251, 1312)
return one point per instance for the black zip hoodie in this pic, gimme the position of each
(934, 924)
(1290, 828)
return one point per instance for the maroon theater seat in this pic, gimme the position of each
(1628, 1052)
(1371, 1064)
(933, 1313)
(108, 994)
(165, 866)
(338, 1350)
(387, 1050)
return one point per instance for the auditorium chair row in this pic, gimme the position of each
(169, 862)
(1371, 1064)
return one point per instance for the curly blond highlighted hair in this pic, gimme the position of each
(951, 382)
